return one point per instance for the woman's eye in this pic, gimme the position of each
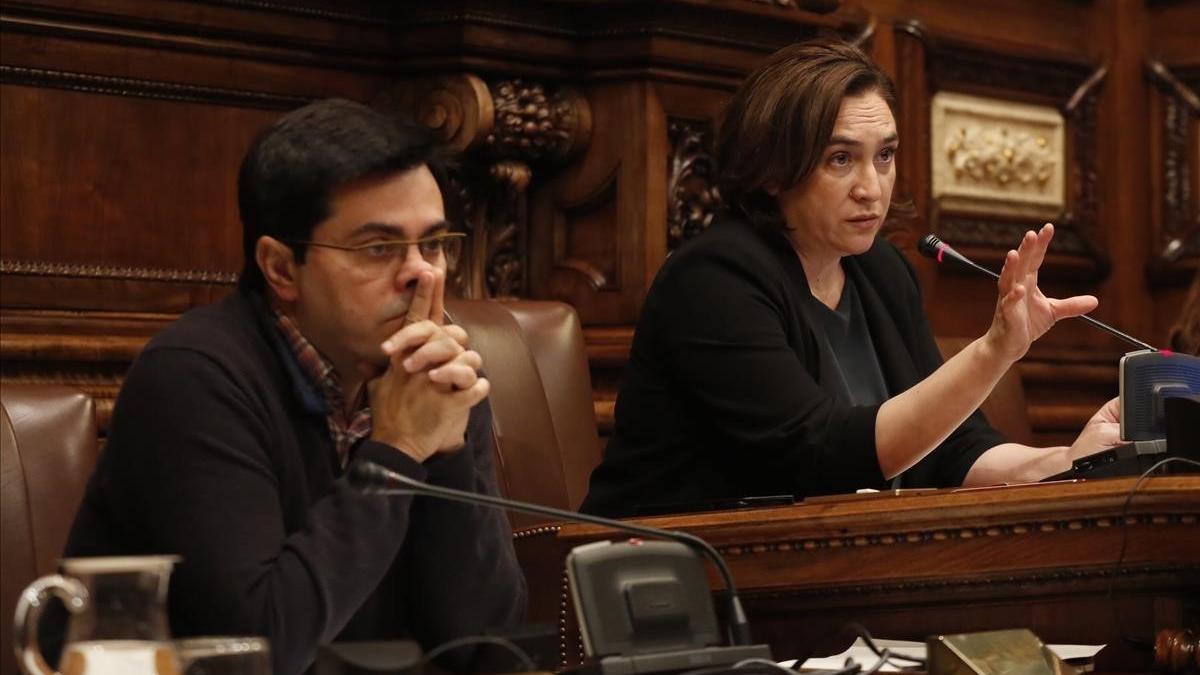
(839, 158)
(887, 154)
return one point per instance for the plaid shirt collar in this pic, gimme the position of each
(345, 430)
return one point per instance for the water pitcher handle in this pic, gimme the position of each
(29, 613)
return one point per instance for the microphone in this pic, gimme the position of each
(375, 479)
(932, 247)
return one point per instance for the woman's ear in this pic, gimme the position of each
(771, 189)
(278, 265)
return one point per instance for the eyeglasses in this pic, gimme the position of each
(383, 253)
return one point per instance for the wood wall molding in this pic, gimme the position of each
(46, 268)
(151, 89)
(297, 35)
(1012, 584)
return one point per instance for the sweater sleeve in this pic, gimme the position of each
(189, 470)
(466, 579)
(721, 326)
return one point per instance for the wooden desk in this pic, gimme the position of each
(906, 566)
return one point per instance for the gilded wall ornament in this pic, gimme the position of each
(997, 157)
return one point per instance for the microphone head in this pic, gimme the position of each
(364, 475)
(930, 246)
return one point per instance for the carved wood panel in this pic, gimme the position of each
(1066, 84)
(1175, 147)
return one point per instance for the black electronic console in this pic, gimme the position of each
(1180, 425)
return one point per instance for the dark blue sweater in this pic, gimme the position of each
(218, 454)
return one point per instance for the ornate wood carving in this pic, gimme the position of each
(1177, 230)
(1070, 86)
(692, 195)
(501, 131)
(138, 88)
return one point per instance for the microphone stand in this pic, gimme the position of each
(932, 247)
(375, 479)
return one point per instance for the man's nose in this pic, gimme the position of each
(411, 264)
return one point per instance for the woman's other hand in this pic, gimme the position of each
(1101, 432)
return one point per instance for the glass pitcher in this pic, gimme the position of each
(118, 617)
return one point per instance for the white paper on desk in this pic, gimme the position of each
(861, 653)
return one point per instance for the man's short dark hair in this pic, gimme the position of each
(778, 123)
(292, 169)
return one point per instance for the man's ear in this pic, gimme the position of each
(278, 265)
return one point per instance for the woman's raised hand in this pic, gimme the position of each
(1023, 313)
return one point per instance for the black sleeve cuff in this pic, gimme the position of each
(391, 458)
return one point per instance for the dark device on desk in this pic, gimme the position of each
(1148, 380)
(1160, 417)
(644, 607)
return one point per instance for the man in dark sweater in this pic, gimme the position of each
(232, 433)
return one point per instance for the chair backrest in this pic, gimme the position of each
(1005, 408)
(47, 453)
(541, 395)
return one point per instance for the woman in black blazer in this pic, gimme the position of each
(785, 350)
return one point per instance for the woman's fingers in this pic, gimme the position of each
(1072, 306)
(1008, 273)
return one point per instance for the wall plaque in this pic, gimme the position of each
(992, 156)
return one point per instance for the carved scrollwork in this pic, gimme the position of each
(692, 195)
(501, 132)
(459, 109)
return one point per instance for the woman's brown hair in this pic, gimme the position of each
(777, 125)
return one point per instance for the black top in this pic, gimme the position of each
(217, 453)
(845, 339)
(728, 393)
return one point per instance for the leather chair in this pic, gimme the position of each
(1005, 408)
(47, 452)
(541, 396)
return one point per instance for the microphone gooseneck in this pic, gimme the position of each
(373, 478)
(932, 247)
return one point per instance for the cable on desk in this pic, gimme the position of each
(473, 640)
(1116, 568)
